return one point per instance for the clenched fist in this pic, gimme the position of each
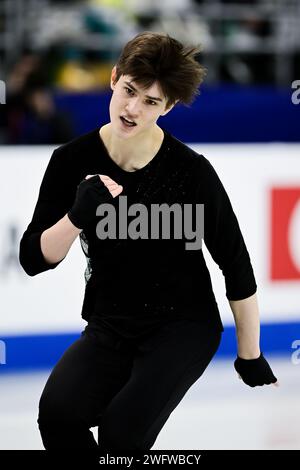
(92, 191)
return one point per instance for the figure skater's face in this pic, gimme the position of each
(141, 107)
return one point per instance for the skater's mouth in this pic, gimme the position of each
(127, 122)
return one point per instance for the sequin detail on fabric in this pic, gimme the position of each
(85, 248)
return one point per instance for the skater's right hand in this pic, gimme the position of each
(92, 191)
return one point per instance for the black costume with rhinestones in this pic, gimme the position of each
(134, 285)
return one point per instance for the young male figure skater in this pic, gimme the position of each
(153, 324)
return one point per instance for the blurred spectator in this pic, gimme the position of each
(41, 122)
(31, 115)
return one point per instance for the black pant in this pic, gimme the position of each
(127, 388)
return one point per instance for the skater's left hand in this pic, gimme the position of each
(255, 371)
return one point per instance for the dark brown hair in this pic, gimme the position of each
(151, 56)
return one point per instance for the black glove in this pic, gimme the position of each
(254, 371)
(90, 193)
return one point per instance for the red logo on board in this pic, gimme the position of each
(285, 233)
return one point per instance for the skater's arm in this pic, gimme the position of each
(57, 191)
(223, 236)
(250, 364)
(247, 324)
(57, 240)
(50, 234)
(225, 242)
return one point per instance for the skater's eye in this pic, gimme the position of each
(131, 93)
(152, 102)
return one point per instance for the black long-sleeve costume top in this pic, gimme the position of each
(132, 285)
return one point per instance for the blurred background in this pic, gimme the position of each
(55, 63)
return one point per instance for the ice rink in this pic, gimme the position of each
(218, 412)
